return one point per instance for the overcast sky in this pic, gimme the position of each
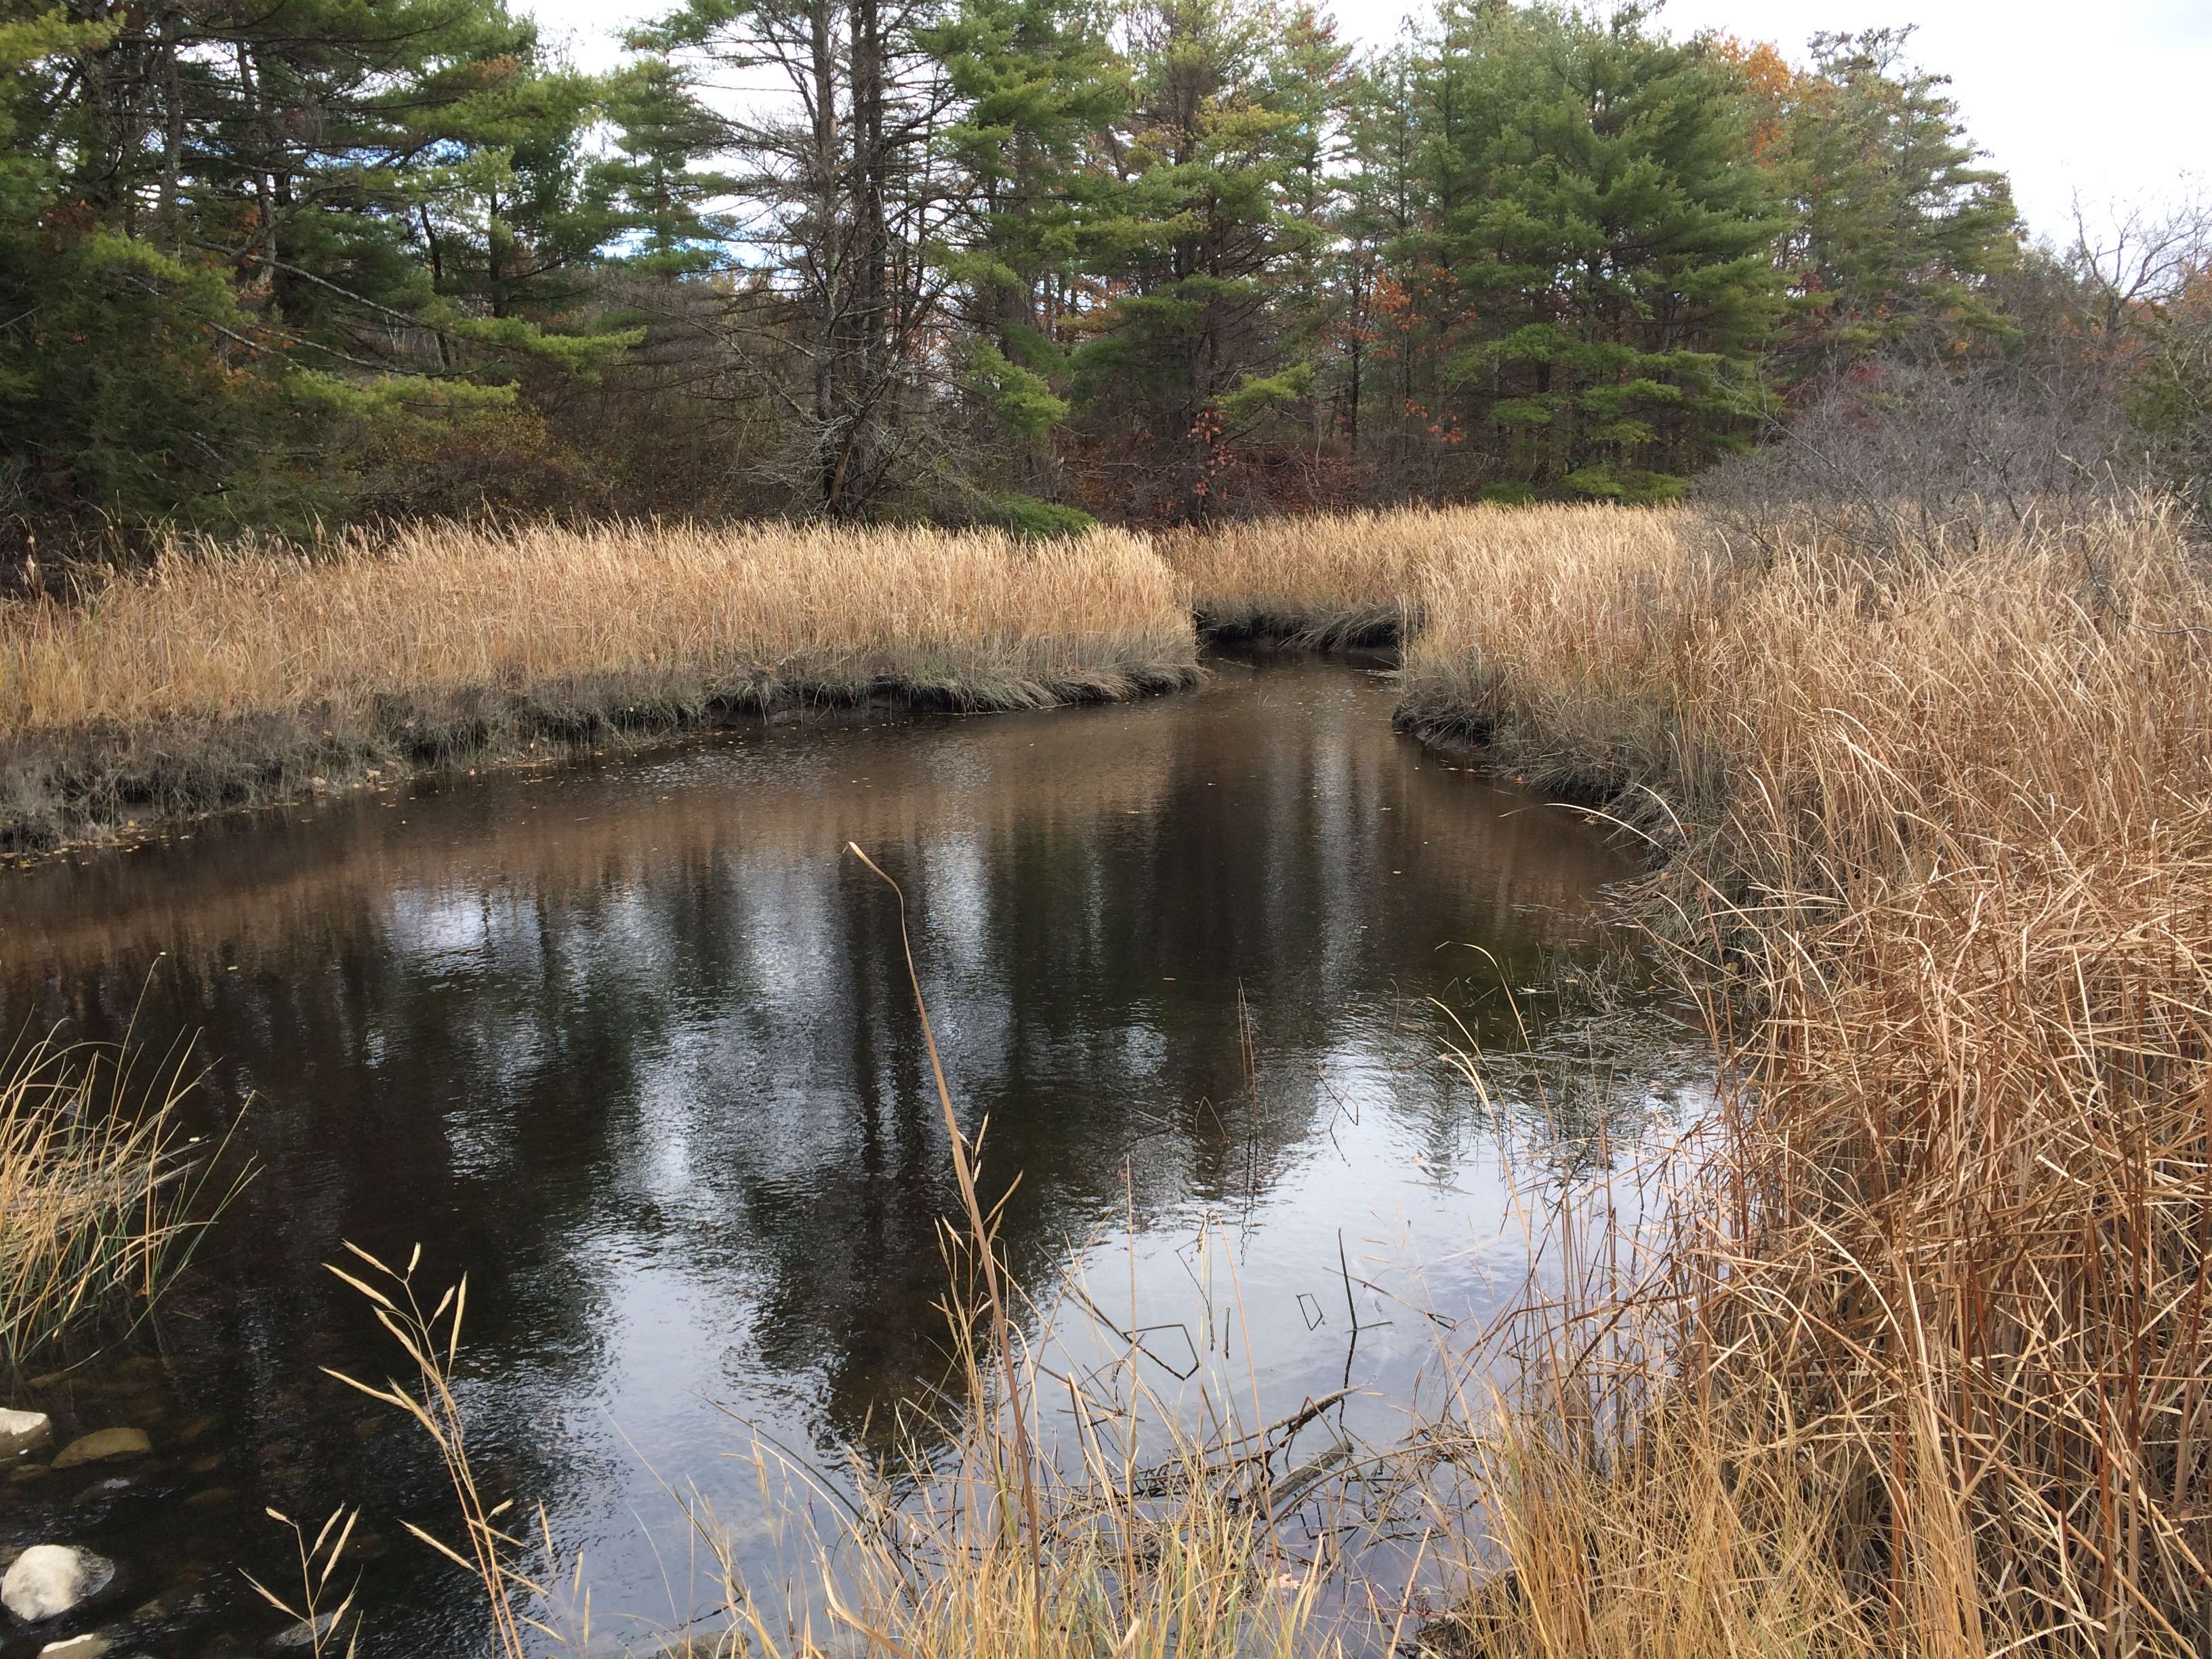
(2112, 100)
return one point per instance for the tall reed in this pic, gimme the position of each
(103, 1196)
(1911, 1354)
(1364, 577)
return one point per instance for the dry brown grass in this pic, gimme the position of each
(101, 1195)
(1566, 646)
(1914, 1355)
(227, 677)
(1364, 577)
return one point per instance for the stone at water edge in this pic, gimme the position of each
(77, 1647)
(21, 1430)
(47, 1580)
(304, 1634)
(107, 1443)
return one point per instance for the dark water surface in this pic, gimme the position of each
(631, 1043)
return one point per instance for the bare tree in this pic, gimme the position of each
(833, 109)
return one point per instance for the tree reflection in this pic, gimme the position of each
(634, 1044)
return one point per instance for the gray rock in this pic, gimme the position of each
(185, 1597)
(691, 1644)
(47, 1580)
(304, 1634)
(77, 1647)
(21, 1430)
(107, 1443)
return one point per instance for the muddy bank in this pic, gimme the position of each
(220, 678)
(114, 783)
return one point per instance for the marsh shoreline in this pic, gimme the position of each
(223, 679)
(110, 785)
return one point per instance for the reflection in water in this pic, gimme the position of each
(631, 1043)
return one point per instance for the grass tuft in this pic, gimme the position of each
(102, 1196)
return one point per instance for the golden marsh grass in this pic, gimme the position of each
(1349, 578)
(229, 677)
(1912, 1356)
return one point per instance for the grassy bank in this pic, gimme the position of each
(1365, 578)
(1915, 1356)
(228, 678)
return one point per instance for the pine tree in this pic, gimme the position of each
(1314, 87)
(1898, 229)
(1184, 362)
(1380, 211)
(1037, 81)
(230, 241)
(1608, 239)
(658, 197)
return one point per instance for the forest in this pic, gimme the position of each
(1016, 262)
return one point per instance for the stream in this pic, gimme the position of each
(629, 1041)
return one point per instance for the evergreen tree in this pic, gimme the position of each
(507, 226)
(1314, 87)
(1379, 216)
(1608, 237)
(656, 186)
(1897, 228)
(1038, 81)
(1183, 361)
(229, 241)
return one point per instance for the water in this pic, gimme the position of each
(631, 1042)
